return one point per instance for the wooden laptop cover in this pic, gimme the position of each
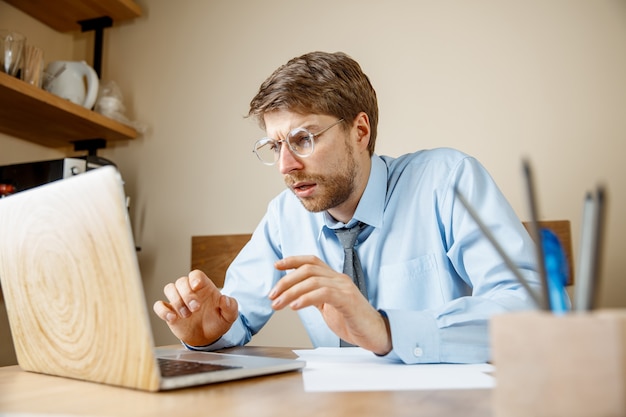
(71, 282)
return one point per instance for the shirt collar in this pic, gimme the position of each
(372, 203)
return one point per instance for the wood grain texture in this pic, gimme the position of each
(213, 254)
(31, 113)
(268, 396)
(71, 283)
(562, 229)
(568, 365)
(64, 15)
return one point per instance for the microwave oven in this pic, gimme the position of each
(20, 177)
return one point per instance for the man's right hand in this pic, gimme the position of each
(196, 312)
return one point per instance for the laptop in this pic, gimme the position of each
(74, 295)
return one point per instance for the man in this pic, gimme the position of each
(431, 281)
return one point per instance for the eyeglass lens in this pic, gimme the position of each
(300, 141)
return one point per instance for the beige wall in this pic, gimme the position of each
(501, 80)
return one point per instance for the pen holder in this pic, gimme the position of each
(560, 365)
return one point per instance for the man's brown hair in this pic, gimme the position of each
(319, 83)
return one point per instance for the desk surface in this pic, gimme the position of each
(273, 395)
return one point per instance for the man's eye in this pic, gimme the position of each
(301, 141)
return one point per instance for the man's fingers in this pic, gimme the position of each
(195, 310)
(198, 280)
(293, 262)
(164, 311)
(229, 308)
(186, 293)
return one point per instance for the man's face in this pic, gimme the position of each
(326, 178)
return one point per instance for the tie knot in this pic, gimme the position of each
(347, 236)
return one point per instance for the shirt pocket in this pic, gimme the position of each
(410, 285)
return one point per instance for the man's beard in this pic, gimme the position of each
(335, 188)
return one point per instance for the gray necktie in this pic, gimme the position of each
(352, 265)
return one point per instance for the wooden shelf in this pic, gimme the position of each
(64, 15)
(33, 114)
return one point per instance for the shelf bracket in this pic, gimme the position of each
(98, 25)
(90, 145)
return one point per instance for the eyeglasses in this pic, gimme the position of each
(300, 141)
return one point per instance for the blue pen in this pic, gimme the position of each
(557, 271)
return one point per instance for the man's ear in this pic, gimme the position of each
(362, 128)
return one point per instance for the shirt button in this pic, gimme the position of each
(418, 352)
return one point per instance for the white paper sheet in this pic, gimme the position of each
(355, 369)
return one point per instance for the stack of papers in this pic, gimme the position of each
(356, 369)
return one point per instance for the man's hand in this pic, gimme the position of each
(197, 313)
(345, 310)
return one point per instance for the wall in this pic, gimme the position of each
(501, 80)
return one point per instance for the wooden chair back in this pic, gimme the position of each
(213, 254)
(562, 229)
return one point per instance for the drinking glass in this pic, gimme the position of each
(11, 51)
(32, 68)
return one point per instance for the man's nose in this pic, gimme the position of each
(287, 161)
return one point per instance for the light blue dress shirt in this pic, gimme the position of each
(427, 266)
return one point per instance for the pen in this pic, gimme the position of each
(584, 268)
(598, 239)
(557, 271)
(589, 267)
(536, 235)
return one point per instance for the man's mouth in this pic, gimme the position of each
(303, 189)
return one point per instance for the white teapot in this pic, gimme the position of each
(72, 80)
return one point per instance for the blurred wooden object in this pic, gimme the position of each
(554, 365)
(72, 285)
(33, 114)
(213, 254)
(562, 229)
(64, 15)
(25, 394)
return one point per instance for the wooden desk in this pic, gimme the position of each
(272, 396)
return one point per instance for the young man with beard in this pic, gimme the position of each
(431, 280)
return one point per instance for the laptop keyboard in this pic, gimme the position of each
(173, 367)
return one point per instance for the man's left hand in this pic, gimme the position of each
(312, 282)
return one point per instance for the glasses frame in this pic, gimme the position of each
(312, 136)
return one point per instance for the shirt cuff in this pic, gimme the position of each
(414, 336)
(235, 336)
